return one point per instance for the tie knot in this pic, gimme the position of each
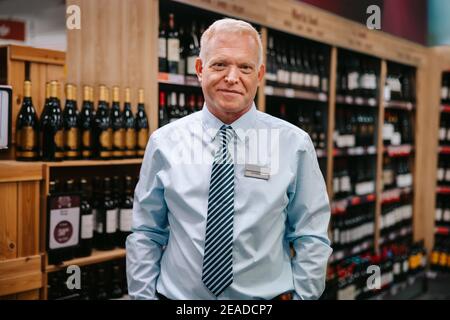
(226, 133)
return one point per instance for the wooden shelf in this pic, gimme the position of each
(399, 151)
(354, 151)
(356, 101)
(96, 257)
(178, 79)
(295, 94)
(405, 105)
(88, 163)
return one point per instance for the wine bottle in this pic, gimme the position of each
(129, 124)
(163, 116)
(27, 148)
(102, 127)
(193, 50)
(162, 47)
(87, 221)
(52, 127)
(141, 121)
(70, 124)
(87, 123)
(126, 212)
(106, 218)
(117, 124)
(173, 46)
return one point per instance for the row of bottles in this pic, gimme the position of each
(353, 176)
(104, 133)
(178, 45)
(400, 83)
(354, 226)
(440, 256)
(396, 216)
(397, 128)
(100, 281)
(309, 118)
(442, 213)
(396, 172)
(106, 214)
(445, 88)
(357, 75)
(301, 65)
(348, 280)
(174, 105)
(354, 127)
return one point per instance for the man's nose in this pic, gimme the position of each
(232, 76)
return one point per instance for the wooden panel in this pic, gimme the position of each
(95, 257)
(331, 120)
(261, 98)
(38, 78)
(19, 275)
(17, 77)
(116, 46)
(8, 221)
(29, 295)
(37, 55)
(28, 218)
(380, 155)
(13, 171)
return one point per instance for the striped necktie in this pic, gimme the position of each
(218, 258)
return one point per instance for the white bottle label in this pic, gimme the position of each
(162, 50)
(440, 174)
(111, 221)
(345, 185)
(173, 48)
(444, 93)
(442, 133)
(87, 226)
(126, 218)
(438, 214)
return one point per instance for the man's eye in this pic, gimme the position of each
(219, 64)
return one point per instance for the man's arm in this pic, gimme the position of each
(308, 218)
(150, 227)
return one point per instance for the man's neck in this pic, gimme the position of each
(228, 117)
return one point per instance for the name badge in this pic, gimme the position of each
(258, 172)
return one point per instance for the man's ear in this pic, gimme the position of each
(199, 68)
(261, 73)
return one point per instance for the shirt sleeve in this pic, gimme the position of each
(308, 215)
(144, 246)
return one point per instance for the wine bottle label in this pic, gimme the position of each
(352, 79)
(126, 218)
(442, 133)
(59, 139)
(315, 81)
(438, 214)
(388, 131)
(191, 65)
(388, 176)
(106, 139)
(396, 139)
(324, 85)
(336, 236)
(162, 50)
(142, 138)
(86, 138)
(111, 221)
(280, 76)
(443, 259)
(345, 184)
(307, 80)
(301, 79)
(441, 174)
(173, 50)
(363, 188)
(446, 215)
(87, 226)
(72, 139)
(119, 138)
(435, 257)
(130, 139)
(28, 138)
(448, 134)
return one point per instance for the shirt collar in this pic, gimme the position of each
(245, 122)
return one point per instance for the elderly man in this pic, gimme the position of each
(224, 192)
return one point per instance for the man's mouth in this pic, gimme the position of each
(230, 91)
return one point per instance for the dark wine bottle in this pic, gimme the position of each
(173, 46)
(87, 221)
(126, 212)
(52, 127)
(102, 127)
(106, 218)
(129, 124)
(27, 148)
(86, 124)
(117, 124)
(70, 124)
(141, 123)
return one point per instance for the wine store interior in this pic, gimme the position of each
(84, 85)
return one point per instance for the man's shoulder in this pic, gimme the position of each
(177, 126)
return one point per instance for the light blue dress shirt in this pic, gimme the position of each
(165, 250)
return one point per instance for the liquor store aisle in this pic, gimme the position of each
(79, 109)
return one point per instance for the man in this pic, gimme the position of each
(235, 186)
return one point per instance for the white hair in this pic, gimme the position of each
(229, 25)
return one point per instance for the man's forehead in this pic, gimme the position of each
(239, 45)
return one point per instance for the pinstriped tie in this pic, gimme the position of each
(218, 258)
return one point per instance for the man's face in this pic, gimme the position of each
(230, 74)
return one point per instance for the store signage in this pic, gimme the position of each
(12, 30)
